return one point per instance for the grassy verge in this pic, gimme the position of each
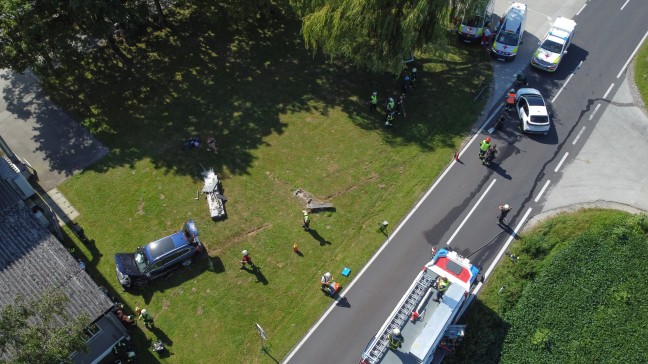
(641, 72)
(282, 120)
(575, 295)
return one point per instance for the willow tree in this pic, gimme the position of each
(378, 34)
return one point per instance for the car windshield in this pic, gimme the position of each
(535, 119)
(551, 46)
(506, 38)
(474, 21)
(141, 261)
(535, 100)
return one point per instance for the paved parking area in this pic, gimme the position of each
(41, 134)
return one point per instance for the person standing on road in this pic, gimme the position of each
(504, 210)
(373, 102)
(486, 37)
(510, 101)
(490, 155)
(483, 147)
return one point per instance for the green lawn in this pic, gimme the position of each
(576, 295)
(283, 120)
(641, 72)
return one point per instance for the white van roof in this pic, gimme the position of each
(565, 24)
(514, 17)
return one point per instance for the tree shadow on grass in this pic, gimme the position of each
(213, 76)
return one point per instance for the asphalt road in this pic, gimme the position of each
(461, 207)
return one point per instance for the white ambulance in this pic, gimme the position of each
(554, 45)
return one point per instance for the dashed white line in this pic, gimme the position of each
(624, 4)
(632, 55)
(470, 213)
(581, 9)
(542, 191)
(608, 91)
(563, 87)
(595, 110)
(559, 164)
(578, 136)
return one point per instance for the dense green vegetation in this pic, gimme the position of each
(641, 72)
(282, 120)
(577, 294)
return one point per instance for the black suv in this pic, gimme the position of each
(159, 257)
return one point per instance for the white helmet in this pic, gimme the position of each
(396, 332)
(327, 275)
(414, 69)
(507, 206)
(143, 311)
(245, 253)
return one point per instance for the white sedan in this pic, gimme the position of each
(532, 111)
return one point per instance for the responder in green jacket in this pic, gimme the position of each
(483, 147)
(395, 339)
(373, 102)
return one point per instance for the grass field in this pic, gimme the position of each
(283, 120)
(641, 72)
(576, 295)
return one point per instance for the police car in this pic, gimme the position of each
(554, 45)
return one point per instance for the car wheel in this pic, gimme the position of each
(185, 263)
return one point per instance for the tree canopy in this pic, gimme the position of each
(377, 34)
(39, 332)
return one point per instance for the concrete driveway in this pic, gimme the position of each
(41, 134)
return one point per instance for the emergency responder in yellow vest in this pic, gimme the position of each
(395, 339)
(441, 286)
(483, 147)
(373, 102)
(390, 117)
(306, 224)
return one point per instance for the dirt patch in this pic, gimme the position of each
(140, 207)
(199, 311)
(240, 238)
(165, 304)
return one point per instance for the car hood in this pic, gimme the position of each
(126, 264)
(546, 56)
(504, 48)
(470, 30)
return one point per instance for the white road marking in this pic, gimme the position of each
(608, 91)
(563, 86)
(594, 112)
(377, 253)
(542, 191)
(479, 131)
(470, 213)
(578, 136)
(632, 55)
(560, 163)
(624, 4)
(581, 9)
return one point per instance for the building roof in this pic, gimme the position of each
(33, 261)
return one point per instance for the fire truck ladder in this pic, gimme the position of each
(414, 297)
